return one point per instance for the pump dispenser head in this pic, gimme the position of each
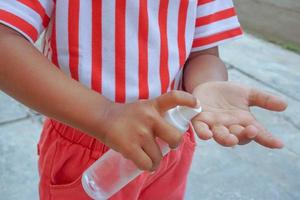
(181, 116)
(188, 113)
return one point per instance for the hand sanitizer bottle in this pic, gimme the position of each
(112, 171)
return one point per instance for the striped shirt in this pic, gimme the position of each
(124, 49)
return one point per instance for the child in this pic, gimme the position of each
(111, 73)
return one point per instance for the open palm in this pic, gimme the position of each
(226, 114)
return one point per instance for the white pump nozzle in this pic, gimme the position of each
(188, 113)
(181, 116)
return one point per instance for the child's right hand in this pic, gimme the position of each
(131, 128)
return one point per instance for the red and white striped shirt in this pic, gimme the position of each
(124, 49)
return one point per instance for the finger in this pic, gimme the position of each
(265, 100)
(237, 131)
(207, 118)
(211, 118)
(202, 130)
(167, 133)
(265, 138)
(269, 141)
(153, 151)
(244, 135)
(174, 98)
(250, 132)
(223, 137)
(140, 158)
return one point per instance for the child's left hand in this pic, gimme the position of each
(226, 115)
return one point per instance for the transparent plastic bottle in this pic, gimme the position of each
(112, 171)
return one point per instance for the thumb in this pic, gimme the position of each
(265, 100)
(174, 98)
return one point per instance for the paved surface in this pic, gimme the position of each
(275, 20)
(218, 173)
(253, 172)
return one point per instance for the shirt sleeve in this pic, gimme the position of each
(28, 17)
(216, 23)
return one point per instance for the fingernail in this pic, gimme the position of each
(233, 139)
(252, 135)
(279, 144)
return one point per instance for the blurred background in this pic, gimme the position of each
(266, 58)
(276, 21)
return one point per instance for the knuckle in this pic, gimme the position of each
(218, 129)
(175, 95)
(150, 116)
(206, 118)
(144, 134)
(252, 95)
(267, 101)
(128, 152)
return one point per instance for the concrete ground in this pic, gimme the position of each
(218, 173)
(275, 20)
(253, 172)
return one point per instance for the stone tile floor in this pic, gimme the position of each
(218, 173)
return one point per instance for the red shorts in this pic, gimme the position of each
(64, 153)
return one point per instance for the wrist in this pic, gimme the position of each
(95, 122)
(203, 69)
